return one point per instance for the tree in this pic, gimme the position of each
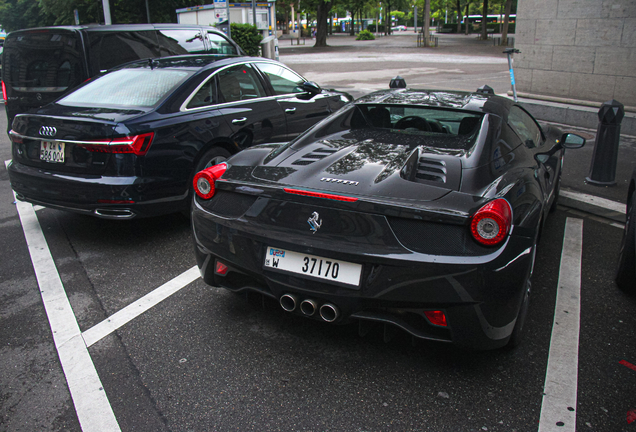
(484, 21)
(504, 31)
(322, 16)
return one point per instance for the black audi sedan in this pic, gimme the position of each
(410, 208)
(129, 142)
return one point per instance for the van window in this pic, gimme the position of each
(219, 45)
(138, 86)
(109, 49)
(42, 62)
(177, 42)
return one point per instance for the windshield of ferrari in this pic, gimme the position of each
(128, 87)
(435, 127)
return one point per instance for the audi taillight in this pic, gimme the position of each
(492, 223)
(204, 180)
(137, 144)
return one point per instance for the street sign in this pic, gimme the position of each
(220, 15)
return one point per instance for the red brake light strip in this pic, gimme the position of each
(321, 195)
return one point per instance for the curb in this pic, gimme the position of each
(595, 205)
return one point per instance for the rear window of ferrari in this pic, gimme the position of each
(129, 87)
(444, 128)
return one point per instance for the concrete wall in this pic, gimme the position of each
(577, 49)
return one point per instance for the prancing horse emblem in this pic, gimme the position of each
(314, 223)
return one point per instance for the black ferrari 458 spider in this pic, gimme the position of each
(413, 208)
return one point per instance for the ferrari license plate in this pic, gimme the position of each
(327, 269)
(52, 151)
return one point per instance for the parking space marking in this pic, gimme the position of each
(91, 403)
(595, 201)
(558, 408)
(118, 319)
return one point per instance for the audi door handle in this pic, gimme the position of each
(290, 110)
(239, 121)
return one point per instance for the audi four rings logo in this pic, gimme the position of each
(48, 131)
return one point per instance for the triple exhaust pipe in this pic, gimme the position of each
(327, 311)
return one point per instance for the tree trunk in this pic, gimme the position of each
(504, 31)
(466, 24)
(426, 30)
(322, 17)
(484, 19)
(459, 18)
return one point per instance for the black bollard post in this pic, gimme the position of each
(603, 169)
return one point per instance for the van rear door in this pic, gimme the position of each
(41, 65)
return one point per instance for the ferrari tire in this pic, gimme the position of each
(626, 269)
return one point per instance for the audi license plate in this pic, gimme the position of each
(327, 269)
(52, 151)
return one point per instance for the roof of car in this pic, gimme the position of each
(119, 27)
(195, 61)
(469, 101)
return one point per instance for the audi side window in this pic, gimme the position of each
(282, 79)
(525, 127)
(206, 95)
(240, 83)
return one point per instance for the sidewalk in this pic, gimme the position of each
(341, 62)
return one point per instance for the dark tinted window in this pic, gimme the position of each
(205, 96)
(429, 126)
(524, 126)
(43, 61)
(239, 83)
(176, 42)
(219, 44)
(130, 87)
(110, 49)
(282, 79)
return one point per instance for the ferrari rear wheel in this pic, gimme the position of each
(626, 270)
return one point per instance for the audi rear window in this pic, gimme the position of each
(129, 87)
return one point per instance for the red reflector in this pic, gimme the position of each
(491, 223)
(4, 92)
(204, 181)
(138, 144)
(221, 268)
(436, 318)
(321, 195)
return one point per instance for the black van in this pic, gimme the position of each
(41, 64)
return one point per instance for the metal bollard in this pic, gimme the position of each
(603, 168)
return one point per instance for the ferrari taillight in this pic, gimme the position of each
(4, 92)
(491, 223)
(436, 317)
(204, 180)
(138, 144)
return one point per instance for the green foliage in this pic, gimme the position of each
(21, 14)
(247, 37)
(365, 35)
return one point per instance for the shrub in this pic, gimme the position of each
(365, 35)
(247, 37)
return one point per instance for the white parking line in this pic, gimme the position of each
(595, 201)
(138, 307)
(91, 403)
(558, 409)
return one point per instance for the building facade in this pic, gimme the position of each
(583, 50)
